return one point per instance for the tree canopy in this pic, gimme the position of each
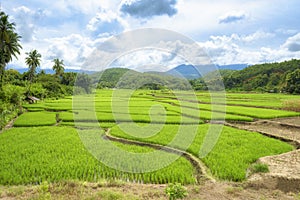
(58, 66)
(9, 44)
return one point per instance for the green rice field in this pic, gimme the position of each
(45, 142)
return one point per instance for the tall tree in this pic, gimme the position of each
(58, 67)
(33, 61)
(293, 82)
(9, 44)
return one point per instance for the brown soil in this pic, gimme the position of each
(9, 125)
(284, 169)
(284, 173)
(286, 129)
(76, 190)
(290, 120)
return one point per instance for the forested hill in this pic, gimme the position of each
(130, 79)
(268, 77)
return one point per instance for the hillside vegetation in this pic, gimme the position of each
(269, 77)
(130, 79)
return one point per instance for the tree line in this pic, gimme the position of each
(16, 87)
(282, 77)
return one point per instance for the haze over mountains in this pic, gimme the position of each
(194, 72)
(181, 71)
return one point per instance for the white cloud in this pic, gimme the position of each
(147, 47)
(148, 60)
(25, 26)
(106, 22)
(232, 17)
(49, 27)
(73, 49)
(293, 43)
(232, 50)
(258, 35)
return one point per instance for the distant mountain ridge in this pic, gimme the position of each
(181, 71)
(50, 71)
(194, 72)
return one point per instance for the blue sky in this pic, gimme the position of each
(230, 32)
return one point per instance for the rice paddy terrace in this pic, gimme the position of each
(48, 141)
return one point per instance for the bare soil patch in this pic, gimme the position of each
(290, 120)
(286, 129)
(208, 190)
(284, 169)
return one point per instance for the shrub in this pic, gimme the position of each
(176, 191)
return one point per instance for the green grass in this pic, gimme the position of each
(37, 154)
(29, 119)
(231, 156)
(259, 168)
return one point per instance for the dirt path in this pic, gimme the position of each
(284, 169)
(292, 121)
(9, 125)
(201, 170)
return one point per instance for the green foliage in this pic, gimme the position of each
(68, 78)
(38, 90)
(58, 67)
(293, 82)
(130, 79)
(44, 191)
(7, 113)
(12, 94)
(32, 60)
(176, 191)
(268, 77)
(83, 81)
(13, 77)
(9, 43)
(109, 77)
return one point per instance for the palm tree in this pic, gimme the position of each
(9, 44)
(33, 61)
(58, 67)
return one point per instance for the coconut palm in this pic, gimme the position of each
(58, 67)
(33, 61)
(9, 44)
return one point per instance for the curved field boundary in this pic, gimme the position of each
(294, 142)
(201, 170)
(228, 104)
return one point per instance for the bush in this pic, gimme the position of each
(38, 90)
(12, 94)
(176, 191)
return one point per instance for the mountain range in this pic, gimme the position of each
(181, 71)
(194, 72)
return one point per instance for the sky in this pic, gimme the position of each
(228, 31)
